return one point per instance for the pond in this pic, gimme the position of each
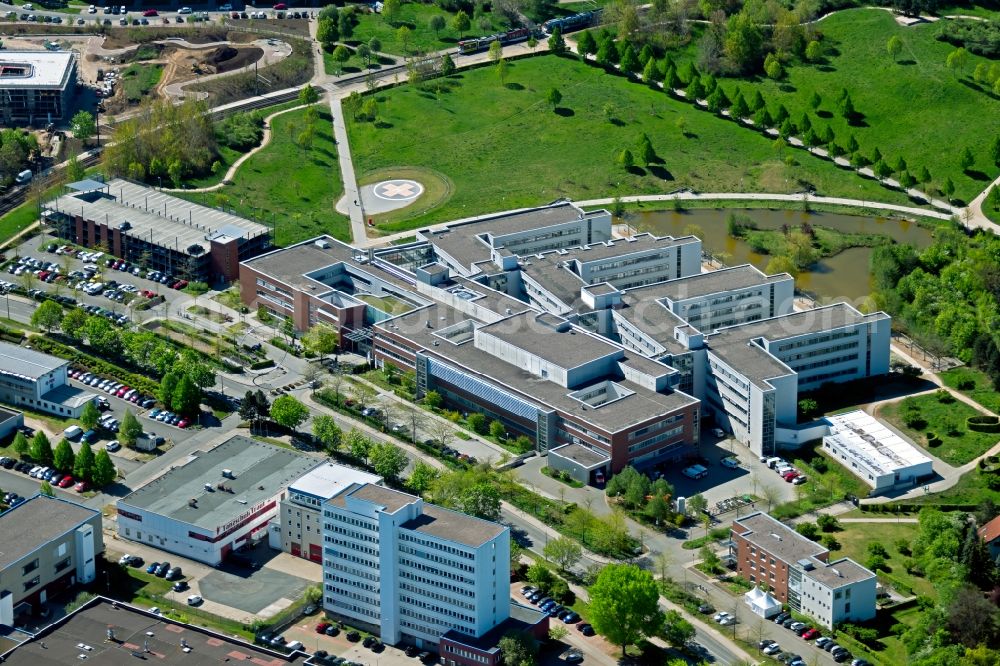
(843, 276)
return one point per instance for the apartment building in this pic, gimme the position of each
(36, 87)
(48, 546)
(39, 382)
(410, 571)
(146, 226)
(215, 503)
(799, 573)
(300, 519)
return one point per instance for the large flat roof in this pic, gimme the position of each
(641, 405)
(618, 247)
(83, 634)
(705, 284)
(551, 338)
(156, 217)
(330, 479)
(27, 363)
(776, 538)
(873, 443)
(290, 264)
(453, 526)
(35, 69)
(552, 274)
(844, 571)
(261, 470)
(35, 522)
(652, 318)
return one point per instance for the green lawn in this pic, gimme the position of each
(416, 17)
(139, 80)
(293, 188)
(970, 489)
(470, 128)
(828, 482)
(855, 537)
(983, 392)
(354, 65)
(946, 420)
(952, 112)
(968, 10)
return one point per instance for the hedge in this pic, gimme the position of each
(983, 423)
(96, 365)
(260, 365)
(915, 508)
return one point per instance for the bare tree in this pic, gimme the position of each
(416, 420)
(772, 494)
(663, 560)
(443, 432)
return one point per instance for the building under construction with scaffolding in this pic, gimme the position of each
(873, 452)
(150, 228)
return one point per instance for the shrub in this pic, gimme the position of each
(983, 423)
(944, 397)
(933, 440)
(260, 365)
(967, 385)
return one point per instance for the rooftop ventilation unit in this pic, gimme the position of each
(209, 488)
(322, 244)
(193, 503)
(228, 474)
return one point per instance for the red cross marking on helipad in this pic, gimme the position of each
(400, 190)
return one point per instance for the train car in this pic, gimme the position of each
(571, 23)
(476, 44)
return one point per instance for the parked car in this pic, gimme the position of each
(772, 649)
(194, 600)
(151, 569)
(731, 462)
(180, 586)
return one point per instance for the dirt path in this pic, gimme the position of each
(231, 171)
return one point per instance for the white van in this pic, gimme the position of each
(24, 177)
(72, 432)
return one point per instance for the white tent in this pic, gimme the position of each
(762, 603)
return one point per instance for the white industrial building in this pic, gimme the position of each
(412, 571)
(873, 452)
(39, 382)
(214, 503)
(301, 522)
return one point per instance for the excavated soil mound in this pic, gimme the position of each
(227, 58)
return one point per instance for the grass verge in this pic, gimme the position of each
(946, 420)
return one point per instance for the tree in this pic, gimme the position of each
(957, 60)
(73, 322)
(403, 34)
(497, 430)
(847, 109)
(646, 152)
(773, 67)
(90, 415)
(45, 488)
(894, 46)
(63, 457)
(130, 429)
(629, 62)
(966, 161)
(495, 51)
(907, 180)
(326, 32)
(478, 423)
(186, 397)
(828, 523)
(74, 170)
(808, 530)
(460, 22)
(517, 648)
(586, 43)
(41, 449)
(624, 605)
(48, 315)
(437, 24)
(553, 98)
(696, 504)
(327, 432)
(390, 11)
(83, 464)
(625, 159)
(882, 170)
(104, 471)
(676, 630)
(995, 148)
(482, 501)
(565, 552)
(21, 446)
(433, 399)
(558, 632)
(739, 108)
(321, 339)
(421, 477)
(84, 126)
(814, 51)
(557, 44)
(948, 188)
(308, 95)
(447, 65)
(340, 56)
(387, 459)
(358, 444)
(924, 176)
(287, 411)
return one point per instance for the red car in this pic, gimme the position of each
(321, 627)
(122, 391)
(81, 487)
(150, 12)
(66, 482)
(183, 423)
(281, 5)
(810, 634)
(788, 476)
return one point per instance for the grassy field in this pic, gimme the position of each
(953, 111)
(828, 482)
(138, 80)
(470, 128)
(416, 17)
(968, 10)
(970, 489)
(855, 537)
(287, 185)
(983, 392)
(946, 420)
